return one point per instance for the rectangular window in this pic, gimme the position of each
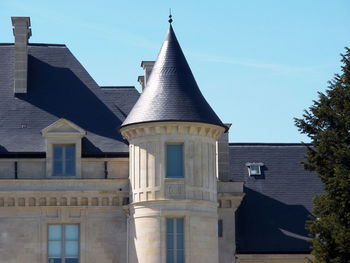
(63, 244)
(174, 161)
(220, 228)
(64, 160)
(175, 240)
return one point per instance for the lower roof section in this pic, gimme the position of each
(277, 203)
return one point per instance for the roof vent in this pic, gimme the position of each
(254, 169)
(22, 32)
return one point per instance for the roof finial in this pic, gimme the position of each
(170, 16)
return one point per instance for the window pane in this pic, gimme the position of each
(254, 169)
(174, 161)
(179, 225)
(170, 241)
(170, 256)
(55, 232)
(70, 167)
(55, 260)
(57, 152)
(220, 228)
(57, 167)
(70, 152)
(180, 241)
(71, 232)
(55, 249)
(180, 256)
(72, 249)
(170, 225)
(72, 260)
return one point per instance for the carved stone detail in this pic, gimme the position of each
(175, 190)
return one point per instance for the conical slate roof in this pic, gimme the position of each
(172, 93)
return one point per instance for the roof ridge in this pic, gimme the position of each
(267, 144)
(117, 87)
(46, 45)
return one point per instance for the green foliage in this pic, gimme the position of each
(327, 123)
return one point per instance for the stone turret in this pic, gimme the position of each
(172, 133)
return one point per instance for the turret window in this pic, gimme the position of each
(174, 161)
(175, 240)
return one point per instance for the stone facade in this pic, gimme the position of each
(154, 197)
(120, 205)
(27, 207)
(110, 229)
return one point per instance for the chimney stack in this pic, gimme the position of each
(22, 32)
(141, 80)
(147, 67)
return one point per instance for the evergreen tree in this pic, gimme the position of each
(327, 123)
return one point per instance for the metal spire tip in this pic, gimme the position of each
(170, 16)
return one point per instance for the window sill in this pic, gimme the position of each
(174, 179)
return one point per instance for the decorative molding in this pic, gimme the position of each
(63, 127)
(174, 190)
(163, 128)
(229, 201)
(50, 200)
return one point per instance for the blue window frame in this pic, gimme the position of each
(174, 161)
(63, 244)
(64, 160)
(175, 252)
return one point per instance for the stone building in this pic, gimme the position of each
(106, 174)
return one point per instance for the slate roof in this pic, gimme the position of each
(271, 218)
(59, 87)
(171, 93)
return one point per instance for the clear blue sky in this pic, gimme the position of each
(258, 63)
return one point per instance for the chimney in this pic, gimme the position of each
(147, 67)
(224, 156)
(141, 80)
(22, 32)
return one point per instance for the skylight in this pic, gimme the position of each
(254, 169)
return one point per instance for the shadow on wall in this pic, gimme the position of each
(60, 92)
(264, 224)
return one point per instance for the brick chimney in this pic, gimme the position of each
(22, 32)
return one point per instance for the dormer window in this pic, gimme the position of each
(63, 160)
(254, 169)
(63, 149)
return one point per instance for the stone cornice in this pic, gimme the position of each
(165, 128)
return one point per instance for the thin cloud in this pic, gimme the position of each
(278, 68)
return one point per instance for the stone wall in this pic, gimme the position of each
(27, 207)
(92, 168)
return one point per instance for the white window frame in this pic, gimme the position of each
(259, 165)
(63, 132)
(63, 240)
